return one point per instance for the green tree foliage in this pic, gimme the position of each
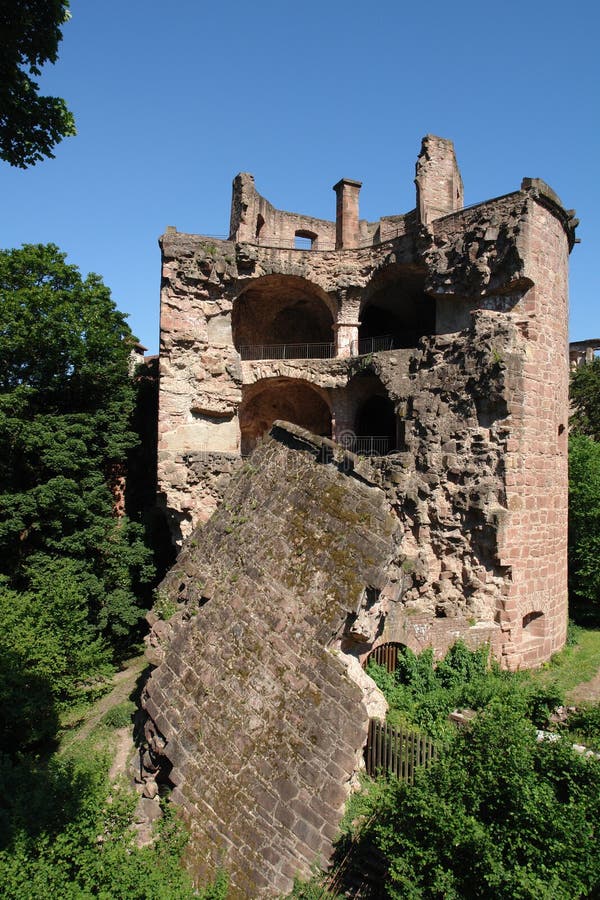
(68, 568)
(62, 835)
(30, 125)
(422, 694)
(498, 815)
(584, 393)
(584, 518)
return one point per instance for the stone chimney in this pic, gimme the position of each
(438, 181)
(346, 213)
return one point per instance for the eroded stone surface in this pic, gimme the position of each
(252, 703)
(479, 390)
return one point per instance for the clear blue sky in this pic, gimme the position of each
(172, 100)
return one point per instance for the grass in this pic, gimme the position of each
(112, 710)
(574, 665)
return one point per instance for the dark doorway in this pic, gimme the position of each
(377, 418)
(397, 313)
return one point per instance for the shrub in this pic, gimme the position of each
(422, 694)
(121, 715)
(497, 815)
(584, 724)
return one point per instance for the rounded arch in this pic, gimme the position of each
(395, 306)
(385, 655)
(280, 310)
(293, 400)
(376, 423)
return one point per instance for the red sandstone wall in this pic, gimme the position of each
(534, 541)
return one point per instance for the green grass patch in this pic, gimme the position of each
(119, 716)
(574, 665)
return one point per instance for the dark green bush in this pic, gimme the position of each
(422, 694)
(498, 815)
(61, 836)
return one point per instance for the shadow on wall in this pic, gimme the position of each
(288, 399)
(396, 305)
(282, 309)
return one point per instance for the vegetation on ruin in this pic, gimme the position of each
(499, 813)
(65, 832)
(71, 579)
(422, 694)
(30, 125)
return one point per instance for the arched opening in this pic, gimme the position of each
(375, 431)
(396, 312)
(304, 240)
(283, 317)
(385, 655)
(293, 400)
(377, 416)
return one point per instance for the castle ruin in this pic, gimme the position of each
(371, 419)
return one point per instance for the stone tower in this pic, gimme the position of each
(371, 419)
(434, 343)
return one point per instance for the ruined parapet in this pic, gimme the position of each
(583, 352)
(256, 221)
(438, 180)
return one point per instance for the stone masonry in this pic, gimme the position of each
(251, 701)
(363, 440)
(469, 397)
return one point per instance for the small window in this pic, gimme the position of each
(304, 240)
(259, 226)
(533, 624)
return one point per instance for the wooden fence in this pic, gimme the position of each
(396, 750)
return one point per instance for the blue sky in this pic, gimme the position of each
(172, 100)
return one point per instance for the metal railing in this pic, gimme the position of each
(302, 243)
(397, 750)
(367, 445)
(372, 344)
(314, 351)
(287, 351)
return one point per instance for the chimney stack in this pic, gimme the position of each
(346, 213)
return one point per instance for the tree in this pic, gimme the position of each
(65, 404)
(585, 398)
(584, 520)
(30, 125)
(498, 815)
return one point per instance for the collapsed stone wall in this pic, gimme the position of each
(313, 552)
(480, 469)
(250, 702)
